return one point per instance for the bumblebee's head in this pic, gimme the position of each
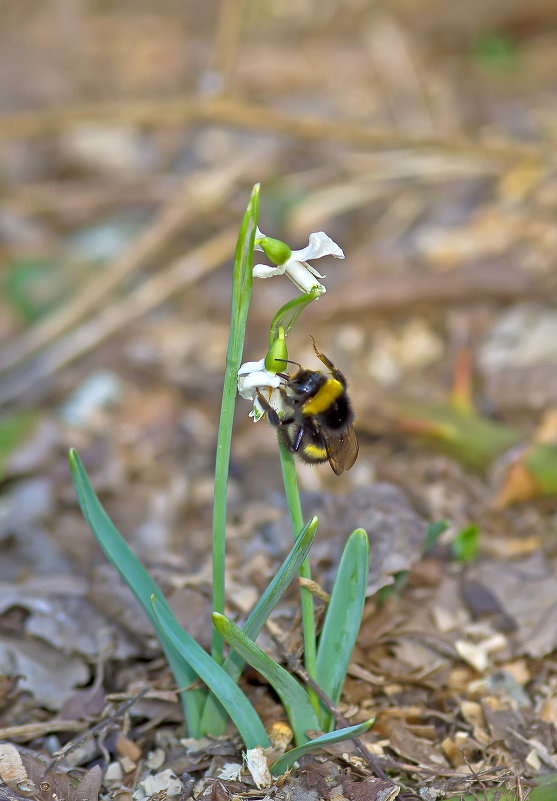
(305, 383)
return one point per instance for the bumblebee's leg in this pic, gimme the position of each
(335, 372)
(272, 416)
(298, 440)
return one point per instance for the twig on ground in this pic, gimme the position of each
(157, 113)
(114, 317)
(225, 46)
(30, 731)
(390, 291)
(98, 727)
(198, 196)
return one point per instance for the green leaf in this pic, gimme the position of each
(234, 663)
(215, 677)
(290, 481)
(342, 620)
(242, 280)
(541, 463)
(287, 760)
(241, 293)
(14, 429)
(34, 287)
(468, 436)
(280, 583)
(496, 52)
(466, 545)
(299, 709)
(118, 552)
(288, 314)
(434, 532)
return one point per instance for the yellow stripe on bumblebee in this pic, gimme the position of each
(324, 397)
(314, 452)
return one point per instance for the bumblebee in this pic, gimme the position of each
(318, 426)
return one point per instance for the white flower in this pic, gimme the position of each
(254, 378)
(296, 267)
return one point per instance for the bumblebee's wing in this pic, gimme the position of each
(342, 448)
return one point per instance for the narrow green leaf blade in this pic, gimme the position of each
(219, 682)
(301, 714)
(118, 552)
(287, 760)
(241, 293)
(233, 664)
(287, 315)
(280, 583)
(342, 620)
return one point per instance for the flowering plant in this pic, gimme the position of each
(208, 711)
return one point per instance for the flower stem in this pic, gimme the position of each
(306, 598)
(241, 294)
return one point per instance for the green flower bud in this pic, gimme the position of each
(277, 251)
(275, 360)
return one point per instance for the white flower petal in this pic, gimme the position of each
(261, 379)
(277, 402)
(268, 271)
(258, 235)
(302, 277)
(319, 245)
(312, 269)
(251, 367)
(247, 392)
(257, 411)
(253, 379)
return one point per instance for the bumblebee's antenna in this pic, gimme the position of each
(289, 361)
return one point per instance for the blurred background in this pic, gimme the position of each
(419, 134)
